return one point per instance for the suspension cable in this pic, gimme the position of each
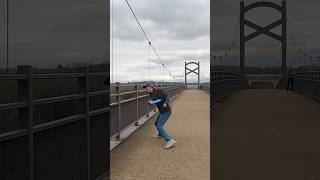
(149, 61)
(297, 46)
(147, 38)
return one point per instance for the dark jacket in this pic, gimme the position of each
(165, 98)
(290, 73)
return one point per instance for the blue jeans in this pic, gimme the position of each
(161, 120)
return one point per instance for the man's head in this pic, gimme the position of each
(148, 88)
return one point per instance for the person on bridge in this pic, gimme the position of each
(290, 82)
(161, 99)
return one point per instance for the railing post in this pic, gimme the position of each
(85, 108)
(25, 93)
(119, 109)
(137, 109)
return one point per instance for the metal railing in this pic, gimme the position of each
(51, 146)
(223, 83)
(308, 82)
(126, 112)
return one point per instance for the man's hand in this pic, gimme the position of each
(150, 102)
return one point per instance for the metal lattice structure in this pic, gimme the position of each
(263, 30)
(194, 71)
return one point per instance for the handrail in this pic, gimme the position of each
(25, 77)
(306, 82)
(23, 104)
(307, 76)
(224, 83)
(50, 76)
(137, 94)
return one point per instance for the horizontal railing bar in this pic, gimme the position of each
(58, 99)
(227, 93)
(13, 134)
(215, 82)
(99, 111)
(98, 93)
(132, 84)
(125, 101)
(14, 105)
(133, 92)
(67, 75)
(229, 77)
(129, 92)
(128, 100)
(13, 77)
(50, 76)
(312, 80)
(69, 119)
(306, 72)
(56, 76)
(98, 74)
(23, 104)
(222, 76)
(143, 96)
(59, 122)
(113, 104)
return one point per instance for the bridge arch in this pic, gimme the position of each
(196, 70)
(263, 30)
(262, 4)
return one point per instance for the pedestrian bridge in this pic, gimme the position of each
(265, 133)
(143, 157)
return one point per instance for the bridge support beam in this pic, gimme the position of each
(263, 30)
(187, 71)
(284, 38)
(242, 33)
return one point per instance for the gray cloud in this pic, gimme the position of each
(178, 19)
(179, 30)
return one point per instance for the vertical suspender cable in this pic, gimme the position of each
(149, 62)
(295, 54)
(146, 36)
(299, 52)
(163, 72)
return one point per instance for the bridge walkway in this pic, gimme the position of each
(266, 134)
(143, 156)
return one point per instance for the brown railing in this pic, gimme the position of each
(305, 81)
(224, 83)
(126, 112)
(74, 135)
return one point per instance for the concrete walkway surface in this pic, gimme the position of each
(143, 157)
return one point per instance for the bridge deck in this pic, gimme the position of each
(267, 134)
(142, 156)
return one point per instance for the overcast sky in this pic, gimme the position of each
(264, 51)
(45, 33)
(178, 29)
